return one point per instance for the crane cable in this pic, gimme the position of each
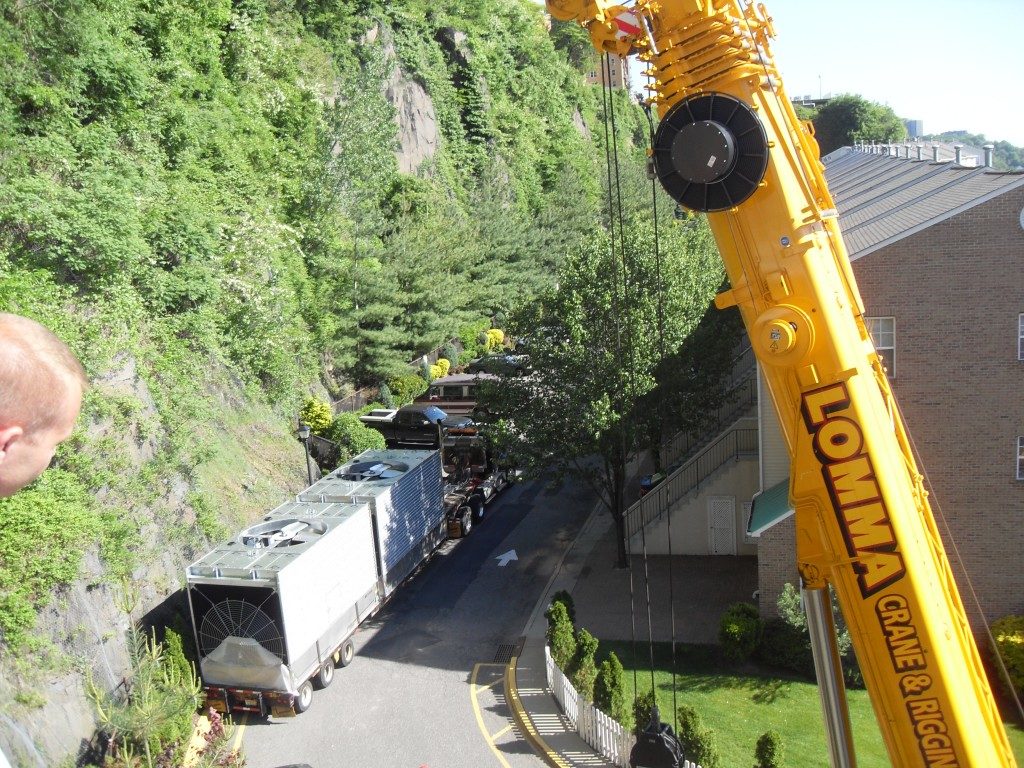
(605, 101)
(616, 215)
(661, 398)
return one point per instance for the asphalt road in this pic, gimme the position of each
(425, 688)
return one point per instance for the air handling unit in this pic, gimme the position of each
(274, 609)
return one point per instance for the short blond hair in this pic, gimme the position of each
(36, 370)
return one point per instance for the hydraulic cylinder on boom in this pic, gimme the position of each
(729, 144)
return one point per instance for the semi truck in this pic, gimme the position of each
(473, 478)
(729, 144)
(274, 609)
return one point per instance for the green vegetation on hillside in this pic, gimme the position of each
(204, 200)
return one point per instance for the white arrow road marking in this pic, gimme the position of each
(508, 557)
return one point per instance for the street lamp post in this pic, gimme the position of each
(304, 437)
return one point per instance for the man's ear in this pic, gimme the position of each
(8, 436)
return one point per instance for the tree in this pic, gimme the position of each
(847, 119)
(596, 340)
(560, 636)
(696, 741)
(610, 692)
(582, 670)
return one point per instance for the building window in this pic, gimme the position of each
(1020, 458)
(1020, 337)
(883, 334)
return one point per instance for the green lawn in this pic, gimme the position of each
(740, 706)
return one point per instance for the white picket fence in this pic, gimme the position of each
(596, 728)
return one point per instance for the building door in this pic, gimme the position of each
(722, 525)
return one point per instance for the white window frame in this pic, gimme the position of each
(1020, 457)
(884, 340)
(1020, 336)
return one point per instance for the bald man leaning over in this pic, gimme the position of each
(41, 385)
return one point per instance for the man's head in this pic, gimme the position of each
(41, 385)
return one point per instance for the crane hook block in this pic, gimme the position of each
(710, 152)
(656, 747)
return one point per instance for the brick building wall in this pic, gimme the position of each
(955, 290)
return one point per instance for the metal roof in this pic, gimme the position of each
(882, 199)
(365, 477)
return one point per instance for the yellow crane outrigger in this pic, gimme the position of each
(730, 144)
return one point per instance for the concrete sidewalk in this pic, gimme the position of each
(702, 587)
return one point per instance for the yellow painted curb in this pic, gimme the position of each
(197, 742)
(550, 756)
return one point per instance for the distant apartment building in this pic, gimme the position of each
(618, 72)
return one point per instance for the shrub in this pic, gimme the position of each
(739, 631)
(353, 437)
(696, 741)
(317, 414)
(1009, 636)
(406, 388)
(642, 706)
(610, 692)
(440, 368)
(768, 752)
(451, 354)
(582, 668)
(560, 636)
(385, 396)
(495, 338)
(563, 597)
(798, 657)
(474, 339)
(783, 645)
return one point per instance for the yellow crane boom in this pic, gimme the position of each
(730, 144)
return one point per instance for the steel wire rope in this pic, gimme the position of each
(631, 378)
(605, 99)
(661, 408)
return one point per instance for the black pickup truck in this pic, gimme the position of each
(416, 424)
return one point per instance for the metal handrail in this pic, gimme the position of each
(730, 445)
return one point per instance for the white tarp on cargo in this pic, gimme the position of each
(241, 662)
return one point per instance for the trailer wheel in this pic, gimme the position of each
(305, 697)
(476, 504)
(326, 674)
(344, 655)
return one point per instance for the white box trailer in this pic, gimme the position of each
(273, 610)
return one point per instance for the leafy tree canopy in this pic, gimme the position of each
(849, 118)
(596, 342)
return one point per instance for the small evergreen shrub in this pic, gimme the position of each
(583, 668)
(696, 741)
(642, 706)
(317, 414)
(768, 752)
(562, 596)
(385, 396)
(560, 636)
(1009, 636)
(610, 692)
(739, 631)
(451, 353)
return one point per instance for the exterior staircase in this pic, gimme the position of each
(696, 456)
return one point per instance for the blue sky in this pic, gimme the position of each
(954, 65)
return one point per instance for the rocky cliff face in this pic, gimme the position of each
(46, 714)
